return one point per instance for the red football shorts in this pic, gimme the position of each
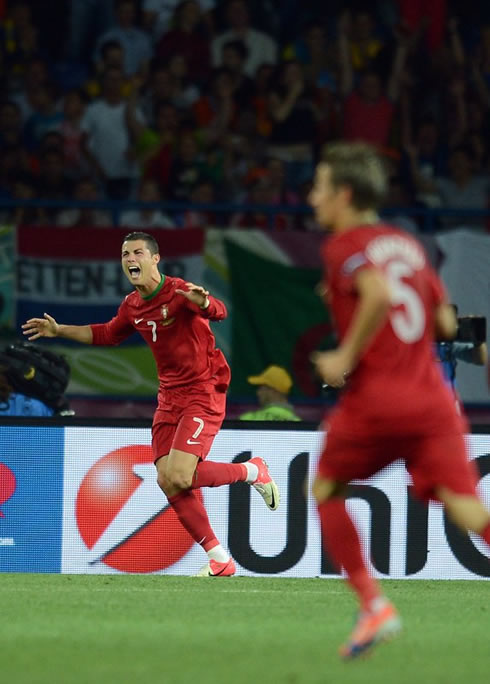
(188, 422)
(432, 460)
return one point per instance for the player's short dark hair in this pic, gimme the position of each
(358, 166)
(150, 241)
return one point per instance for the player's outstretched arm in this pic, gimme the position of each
(35, 328)
(195, 294)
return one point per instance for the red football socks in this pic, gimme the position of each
(212, 474)
(343, 545)
(192, 514)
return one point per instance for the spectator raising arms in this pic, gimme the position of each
(135, 42)
(106, 142)
(188, 38)
(368, 109)
(261, 47)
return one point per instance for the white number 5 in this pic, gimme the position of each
(408, 324)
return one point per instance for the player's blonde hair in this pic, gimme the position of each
(358, 166)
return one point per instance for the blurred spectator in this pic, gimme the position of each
(463, 189)
(234, 58)
(134, 41)
(158, 15)
(145, 217)
(106, 142)
(194, 217)
(186, 168)
(273, 386)
(261, 194)
(432, 155)
(46, 115)
(293, 116)
(429, 13)
(23, 189)
(111, 55)
(10, 124)
(369, 110)
(72, 133)
(85, 191)
(261, 47)
(188, 38)
(317, 56)
(364, 46)
(35, 76)
(88, 20)
(260, 99)
(18, 39)
(216, 111)
(183, 92)
(53, 183)
(153, 146)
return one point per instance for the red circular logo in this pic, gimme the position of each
(8, 485)
(108, 499)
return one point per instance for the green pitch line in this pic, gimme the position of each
(74, 629)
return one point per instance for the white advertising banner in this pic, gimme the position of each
(115, 518)
(466, 273)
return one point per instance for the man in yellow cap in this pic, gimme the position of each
(273, 386)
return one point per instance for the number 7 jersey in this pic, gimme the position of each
(178, 334)
(397, 384)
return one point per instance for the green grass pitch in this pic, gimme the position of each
(106, 629)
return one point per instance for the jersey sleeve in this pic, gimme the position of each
(343, 260)
(216, 311)
(114, 331)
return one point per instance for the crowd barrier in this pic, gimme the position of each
(429, 219)
(81, 497)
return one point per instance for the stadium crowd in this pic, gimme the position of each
(202, 102)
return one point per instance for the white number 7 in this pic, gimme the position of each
(153, 330)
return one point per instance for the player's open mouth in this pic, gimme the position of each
(134, 271)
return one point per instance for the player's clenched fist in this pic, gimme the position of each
(40, 327)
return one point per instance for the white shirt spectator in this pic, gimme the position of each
(108, 138)
(135, 43)
(143, 219)
(164, 10)
(261, 49)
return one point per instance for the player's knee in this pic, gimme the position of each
(174, 480)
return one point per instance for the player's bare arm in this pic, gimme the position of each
(446, 322)
(372, 311)
(196, 294)
(35, 328)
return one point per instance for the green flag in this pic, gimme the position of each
(277, 318)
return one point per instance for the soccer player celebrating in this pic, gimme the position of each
(387, 304)
(173, 318)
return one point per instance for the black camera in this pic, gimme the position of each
(472, 329)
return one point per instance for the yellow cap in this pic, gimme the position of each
(274, 376)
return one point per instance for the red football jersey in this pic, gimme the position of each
(178, 333)
(397, 385)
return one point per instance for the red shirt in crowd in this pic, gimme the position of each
(368, 121)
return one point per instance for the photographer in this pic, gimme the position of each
(469, 346)
(16, 404)
(33, 381)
